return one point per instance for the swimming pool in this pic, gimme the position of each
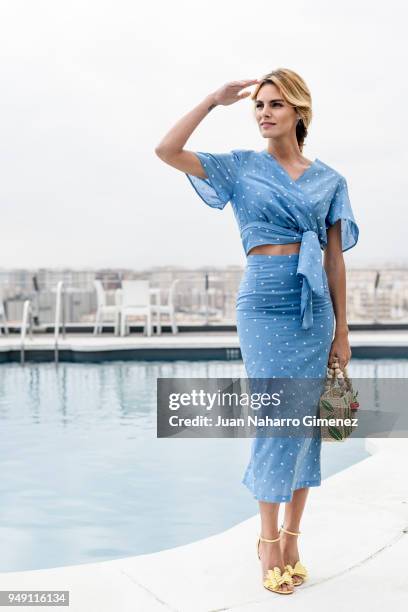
(84, 478)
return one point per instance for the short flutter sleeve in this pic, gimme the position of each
(222, 169)
(340, 208)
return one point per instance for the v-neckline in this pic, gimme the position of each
(266, 152)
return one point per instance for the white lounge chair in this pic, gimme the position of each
(104, 309)
(159, 309)
(135, 300)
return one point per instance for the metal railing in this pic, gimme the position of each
(205, 296)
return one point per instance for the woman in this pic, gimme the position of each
(288, 208)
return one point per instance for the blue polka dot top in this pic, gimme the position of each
(272, 208)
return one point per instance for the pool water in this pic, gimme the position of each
(84, 478)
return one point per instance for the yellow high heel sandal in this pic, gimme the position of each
(299, 572)
(274, 577)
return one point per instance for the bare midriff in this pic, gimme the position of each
(275, 249)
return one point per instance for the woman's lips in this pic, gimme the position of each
(267, 124)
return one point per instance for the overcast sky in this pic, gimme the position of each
(90, 87)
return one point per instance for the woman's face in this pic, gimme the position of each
(278, 117)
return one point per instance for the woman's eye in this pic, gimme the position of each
(274, 104)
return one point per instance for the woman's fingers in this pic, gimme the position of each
(229, 93)
(338, 362)
(244, 95)
(334, 361)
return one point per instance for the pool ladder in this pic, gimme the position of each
(26, 325)
(59, 310)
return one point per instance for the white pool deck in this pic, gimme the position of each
(354, 543)
(208, 339)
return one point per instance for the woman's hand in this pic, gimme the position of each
(229, 93)
(340, 351)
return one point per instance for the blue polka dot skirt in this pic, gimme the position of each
(274, 345)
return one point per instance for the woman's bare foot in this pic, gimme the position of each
(290, 554)
(271, 556)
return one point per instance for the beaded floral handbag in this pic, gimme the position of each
(338, 401)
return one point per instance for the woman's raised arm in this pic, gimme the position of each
(170, 149)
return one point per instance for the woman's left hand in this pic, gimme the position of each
(340, 350)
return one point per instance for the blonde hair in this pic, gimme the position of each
(296, 93)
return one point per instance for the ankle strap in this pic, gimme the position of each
(291, 532)
(265, 540)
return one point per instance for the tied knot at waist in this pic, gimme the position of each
(309, 264)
